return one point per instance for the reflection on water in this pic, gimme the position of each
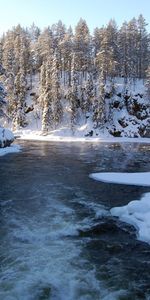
(57, 238)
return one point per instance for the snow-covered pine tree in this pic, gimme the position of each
(90, 92)
(46, 96)
(82, 47)
(42, 86)
(132, 40)
(143, 47)
(105, 58)
(123, 52)
(55, 91)
(44, 46)
(66, 48)
(1, 51)
(8, 56)
(99, 105)
(147, 82)
(112, 41)
(21, 49)
(33, 33)
(87, 94)
(21, 69)
(96, 40)
(2, 96)
(74, 98)
(59, 31)
(47, 120)
(19, 119)
(9, 79)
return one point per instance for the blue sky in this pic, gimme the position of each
(47, 12)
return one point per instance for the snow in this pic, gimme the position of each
(123, 121)
(136, 213)
(6, 134)
(64, 134)
(11, 149)
(141, 178)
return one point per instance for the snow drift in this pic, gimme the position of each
(136, 213)
(6, 137)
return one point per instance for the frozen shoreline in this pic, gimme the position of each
(10, 149)
(53, 136)
(136, 213)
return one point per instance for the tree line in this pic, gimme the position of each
(73, 66)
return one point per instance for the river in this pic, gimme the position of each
(58, 240)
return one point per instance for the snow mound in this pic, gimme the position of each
(6, 137)
(142, 179)
(11, 149)
(136, 213)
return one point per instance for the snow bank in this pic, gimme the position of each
(11, 149)
(6, 137)
(136, 213)
(66, 135)
(142, 179)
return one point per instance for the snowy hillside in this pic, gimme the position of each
(64, 83)
(127, 113)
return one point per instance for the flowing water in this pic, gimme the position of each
(58, 240)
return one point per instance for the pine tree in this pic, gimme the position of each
(112, 41)
(34, 33)
(147, 83)
(96, 40)
(2, 96)
(11, 95)
(1, 51)
(46, 95)
(19, 119)
(99, 107)
(105, 57)
(87, 95)
(143, 47)
(82, 47)
(66, 48)
(47, 113)
(123, 52)
(74, 100)
(55, 91)
(90, 92)
(44, 46)
(8, 52)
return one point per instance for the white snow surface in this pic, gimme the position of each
(66, 135)
(85, 126)
(136, 213)
(11, 149)
(6, 134)
(141, 178)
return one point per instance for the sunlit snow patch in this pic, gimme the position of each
(142, 179)
(11, 149)
(136, 213)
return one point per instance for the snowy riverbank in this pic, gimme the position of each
(63, 136)
(6, 137)
(11, 149)
(136, 213)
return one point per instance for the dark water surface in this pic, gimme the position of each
(57, 238)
